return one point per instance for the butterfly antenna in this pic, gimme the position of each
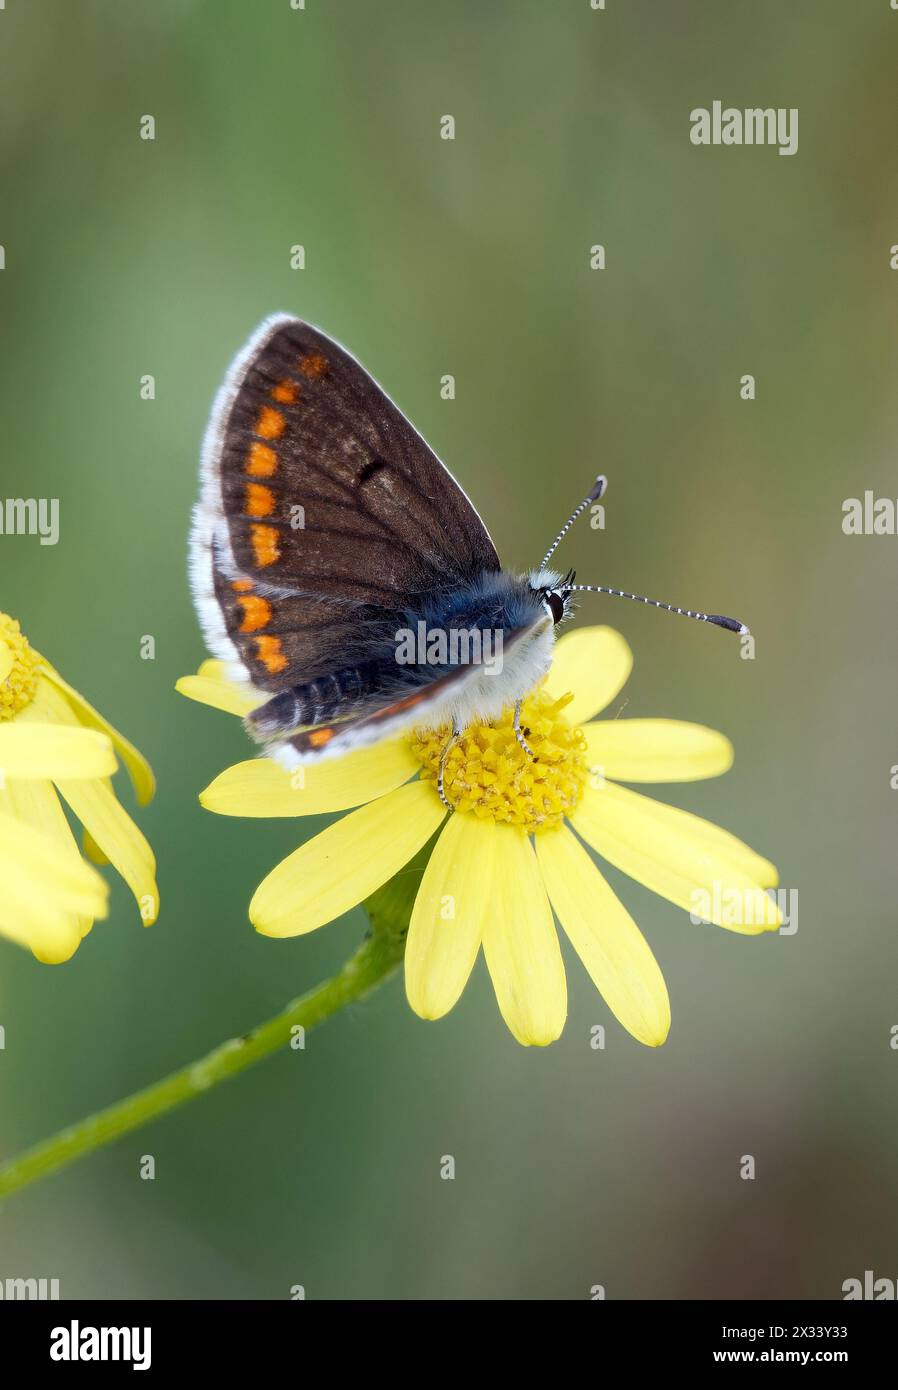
(731, 624)
(598, 488)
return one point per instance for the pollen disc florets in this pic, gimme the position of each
(18, 668)
(489, 775)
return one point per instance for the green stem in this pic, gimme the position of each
(376, 959)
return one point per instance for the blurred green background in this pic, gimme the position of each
(274, 127)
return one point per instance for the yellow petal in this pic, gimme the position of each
(220, 694)
(30, 749)
(6, 660)
(607, 940)
(93, 851)
(215, 684)
(227, 672)
(593, 663)
(261, 787)
(109, 825)
(686, 859)
(656, 750)
(36, 804)
(447, 919)
(52, 940)
(45, 891)
(214, 669)
(520, 942)
(67, 699)
(345, 863)
(60, 876)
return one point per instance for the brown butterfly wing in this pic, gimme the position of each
(324, 512)
(334, 738)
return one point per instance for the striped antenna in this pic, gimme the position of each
(598, 488)
(731, 624)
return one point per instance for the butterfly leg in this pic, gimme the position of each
(456, 730)
(519, 733)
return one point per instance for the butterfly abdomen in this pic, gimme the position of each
(317, 701)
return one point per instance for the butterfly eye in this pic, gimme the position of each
(556, 604)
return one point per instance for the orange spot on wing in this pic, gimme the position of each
(271, 654)
(408, 702)
(319, 737)
(286, 391)
(259, 500)
(265, 544)
(262, 461)
(256, 613)
(270, 424)
(313, 365)
(241, 586)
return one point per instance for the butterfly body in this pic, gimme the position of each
(338, 566)
(495, 630)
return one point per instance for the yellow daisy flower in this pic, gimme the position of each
(52, 741)
(512, 853)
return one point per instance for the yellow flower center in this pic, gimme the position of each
(18, 668)
(489, 775)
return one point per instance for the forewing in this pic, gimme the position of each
(324, 513)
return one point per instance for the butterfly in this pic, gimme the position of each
(338, 567)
